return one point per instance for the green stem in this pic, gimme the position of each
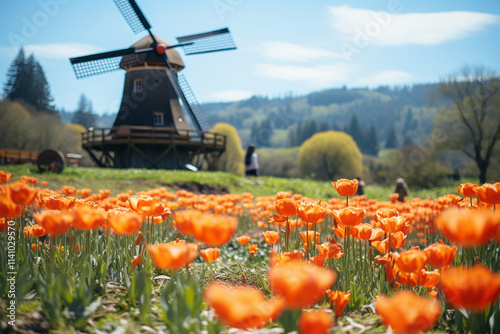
(286, 234)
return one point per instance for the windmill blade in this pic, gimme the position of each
(133, 15)
(189, 102)
(212, 41)
(99, 63)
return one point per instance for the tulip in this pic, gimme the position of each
(474, 288)
(315, 322)
(243, 307)
(405, 312)
(173, 256)
(300, 284)
(339, 300)
(210, 254)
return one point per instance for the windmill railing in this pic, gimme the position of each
(151, 135)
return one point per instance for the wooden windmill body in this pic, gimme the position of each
(160, 123)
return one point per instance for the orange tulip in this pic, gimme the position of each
(277, 259)
(124, 222)
(54, 221)
(339, 299)
(411, 261)
(398, 240)
(253, 248)
(394, 197)
(489, 193)
(210, 254)
(349, 216)
(35, 248)
(311, 212)
(429, 279)
(139, 239)
(315, 322)
(213, 230)
(244, 240)
(173, 256)
(299, 283)
(8, 209)
(318, 260)
(471, 288)
(286, 207)
(468, 228)
(5, 176)
(331, 249)
(385, 213)
(440, 255)
(242, 307)
(146, 205)
(87, 218)
(135, 261)
(68, 190)
(406, 312)
(38, 231)
(467, 189)
(345, 187)
(392, 224)
(22, 194)
(271, 237)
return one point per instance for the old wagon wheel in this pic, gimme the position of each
(50, 160)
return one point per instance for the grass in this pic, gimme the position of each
(121, 180)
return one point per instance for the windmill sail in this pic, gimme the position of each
(196, 109)
(212, 41)
(133, 15)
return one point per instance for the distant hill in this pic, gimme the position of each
(278, 122)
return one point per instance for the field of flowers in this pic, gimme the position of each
(156, 261)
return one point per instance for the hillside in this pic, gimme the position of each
(288, 121)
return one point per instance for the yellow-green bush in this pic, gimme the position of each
(330, 155)
(232, 159)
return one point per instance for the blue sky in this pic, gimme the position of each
(284, 46)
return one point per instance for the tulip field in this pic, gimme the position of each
(80, 260)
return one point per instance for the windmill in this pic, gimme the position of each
(151, 129)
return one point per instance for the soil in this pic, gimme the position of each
(198, 188)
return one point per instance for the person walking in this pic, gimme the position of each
(401, 189)
(251, 161)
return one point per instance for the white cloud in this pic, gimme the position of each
(294, 52)
(53, 51)
(388, 77)
(321, 74)
(384, 28)
(231, 95)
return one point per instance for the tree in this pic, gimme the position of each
(330, 155)
(13, 88)
(26, 81)
(356, 131)
(471, 123)
(371, 141)
(84, 115)
(232, 159)
(392, 140)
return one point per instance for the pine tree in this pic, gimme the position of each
(84, 114)
(372, 141)
(15, 77)
(356, 132)
(391, 140)
(26, 81)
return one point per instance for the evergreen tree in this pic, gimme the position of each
(356, 132)
(26, 81)
(372, 141)
(84, 114)
(391, 141)
(410, 122)
(15, 77)
(254, 133)
(407, 141)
